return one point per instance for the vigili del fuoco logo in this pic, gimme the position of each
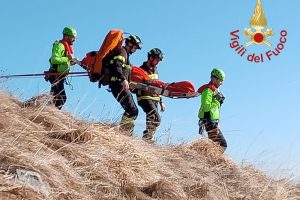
(258, 35)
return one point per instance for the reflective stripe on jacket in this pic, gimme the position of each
(118, 64)
(153, 74)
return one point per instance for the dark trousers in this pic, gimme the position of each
(58, 90)
(125, 99)
(152, 116)
(213, 131)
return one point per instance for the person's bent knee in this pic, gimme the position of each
(223, 143)
(134, 113)
(157, 123)
(65, 98)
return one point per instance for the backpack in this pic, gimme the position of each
(93, 61)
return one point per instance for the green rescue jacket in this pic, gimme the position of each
(209, 104)
(59, 62)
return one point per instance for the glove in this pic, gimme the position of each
(220, 97)
(46, 77)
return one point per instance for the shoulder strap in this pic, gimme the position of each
(68, 47)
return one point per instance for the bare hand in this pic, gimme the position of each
(162, 107)
(75, 61)
(70, 57)
(125, 85)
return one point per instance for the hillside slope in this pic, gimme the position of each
(49, 154)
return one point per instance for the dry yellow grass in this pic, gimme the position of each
(74, 159)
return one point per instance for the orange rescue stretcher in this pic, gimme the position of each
(141, 81)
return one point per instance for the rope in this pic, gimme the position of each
(50, 74)
(68, 82)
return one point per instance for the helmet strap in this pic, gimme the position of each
(150, 62)
(130, 49)
(214, 81)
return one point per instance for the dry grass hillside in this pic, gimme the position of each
(49, 154)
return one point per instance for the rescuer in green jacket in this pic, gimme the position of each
(209, 112)
(61, 60)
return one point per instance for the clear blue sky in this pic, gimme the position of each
(260, 115)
